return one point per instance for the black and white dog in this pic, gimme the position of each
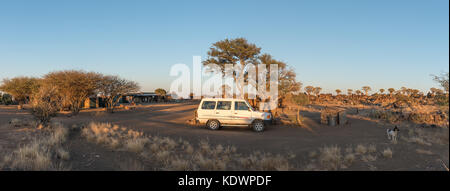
(393, 134)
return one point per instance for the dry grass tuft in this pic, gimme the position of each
(361, 149)
(136, 145)
(369, 158)
(330, 158)
(372, 148)
(348, 159)
(115, 137)
(387, 153)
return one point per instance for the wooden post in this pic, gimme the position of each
(342, 117)
(331, 120)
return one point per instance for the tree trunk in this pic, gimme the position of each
(299, 121)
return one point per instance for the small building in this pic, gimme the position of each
(139, 97)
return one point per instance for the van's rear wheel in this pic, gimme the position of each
(213, 124)
(258, 126)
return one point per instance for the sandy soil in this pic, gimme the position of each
(170, 120)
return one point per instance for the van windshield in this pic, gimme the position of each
(241, 106)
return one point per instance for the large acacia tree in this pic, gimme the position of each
(113, 87)
(240, 53)
(237, 52)
(74, 86)
(21, 88)
(286, 76)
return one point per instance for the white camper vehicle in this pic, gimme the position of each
(218, 112)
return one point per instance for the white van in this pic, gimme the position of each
(218, 112)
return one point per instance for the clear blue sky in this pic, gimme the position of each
(332, 44)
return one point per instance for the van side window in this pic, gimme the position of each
(209, 105)
(240, 105)
(224, 105)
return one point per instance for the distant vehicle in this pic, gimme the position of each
(218, 112)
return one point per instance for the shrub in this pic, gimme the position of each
(361, 149)
(46, 104)
(387, 153)
(330, 157)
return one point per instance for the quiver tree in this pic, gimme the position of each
(113, 87)
(366, 89)
(349, 92)
(391, 91)
(317, 90)
(309, 90)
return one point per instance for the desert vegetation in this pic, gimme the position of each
(171, 154)
(45, 152)
(65, 90)
(423, 118)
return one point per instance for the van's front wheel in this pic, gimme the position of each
(213, 124)
(258, 126)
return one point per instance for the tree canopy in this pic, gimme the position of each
(20, 88)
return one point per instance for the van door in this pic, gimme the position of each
(206, 111)
(242, 113)
(223, 112)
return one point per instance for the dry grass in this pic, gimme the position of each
(387, 153)
(115, 137)
(427, 137)
(425, 152)
(136, 145)
(265, 161)
(131, 165)
(372, 148)
(369, 158)
(361, 149)
(348, 160)
(43, 153)
(349, 150)
(169, 154)
(330, 158)
(23, 122)
(312, 154)
(180, 165)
